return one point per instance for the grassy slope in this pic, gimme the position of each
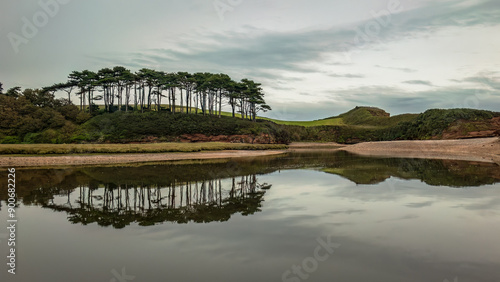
(329, 121)
(373, 124)
(358, 125)
(358, 113)
(362, 117)
(432, 123)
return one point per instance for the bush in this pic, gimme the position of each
(10, 140)
(31, 138)
(134, 126)
(433, 123)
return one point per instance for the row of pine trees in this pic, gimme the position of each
(119, 89)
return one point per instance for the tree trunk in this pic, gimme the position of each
(182, 102)
(197, 96)
(188, 101)
(231, 101)
(143, 97)
(203, 107)
(90, 103)
(149, 97)
(220, 103)
(135, 96)
(159, 100)
(173, 100)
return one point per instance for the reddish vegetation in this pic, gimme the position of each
(376, 112)
(472, 129)
(250, 139)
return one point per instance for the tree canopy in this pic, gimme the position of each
(36, 116)
(120, 89)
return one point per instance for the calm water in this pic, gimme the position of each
(313, 216)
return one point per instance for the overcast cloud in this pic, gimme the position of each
(315, 59)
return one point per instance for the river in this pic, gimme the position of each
(304, 216)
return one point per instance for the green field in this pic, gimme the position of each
(321, 122)
(48, 149)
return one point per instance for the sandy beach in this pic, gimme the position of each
(479, 149)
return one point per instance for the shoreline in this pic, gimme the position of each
(476, 150)
(74, 160)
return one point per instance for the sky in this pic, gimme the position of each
(315, 59)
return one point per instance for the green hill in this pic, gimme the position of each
(32, 117)
(373, 124)
(359, 116)
(433, 123)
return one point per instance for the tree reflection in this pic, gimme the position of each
(148, 184)
(201, 202)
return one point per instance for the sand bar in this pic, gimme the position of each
(479, 149)
(20, 161)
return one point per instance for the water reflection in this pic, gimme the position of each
(396, 220)
(452, 173)
(206, 191)
(200, 202)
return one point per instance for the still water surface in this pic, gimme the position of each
(315, 216)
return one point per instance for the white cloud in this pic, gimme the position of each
(291, 46)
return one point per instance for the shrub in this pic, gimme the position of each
(10, 140)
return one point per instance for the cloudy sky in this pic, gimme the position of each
(314, 58)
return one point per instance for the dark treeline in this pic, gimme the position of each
(119, 89)
(183, 99)
(35, 115)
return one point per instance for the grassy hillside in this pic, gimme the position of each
(135, 126)
(24, 119)
(372, 124)
(432, 123)
(369, 116)
(329, 121)
(359, 116)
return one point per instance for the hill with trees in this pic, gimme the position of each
(155, 106)
(133, 106)
(372, 124)
(119, 89)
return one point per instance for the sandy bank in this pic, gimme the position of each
(126, 158)
(312, 145)
(481, 149)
